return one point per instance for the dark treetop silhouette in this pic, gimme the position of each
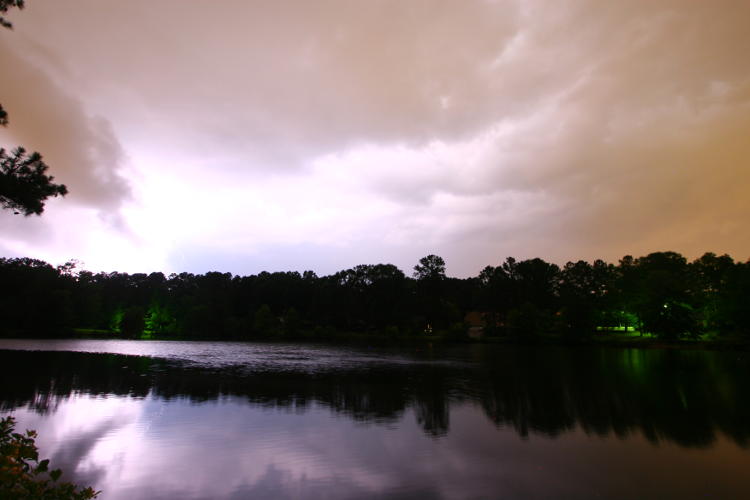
(24, 184)
(4, 6)
(531, 300)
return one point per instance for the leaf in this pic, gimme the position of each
(55, 474)
(43, 466)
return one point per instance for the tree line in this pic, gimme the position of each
(660, 293)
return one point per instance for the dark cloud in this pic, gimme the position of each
(283, 80)
(82, 151)
(479, 129)
(641, 145)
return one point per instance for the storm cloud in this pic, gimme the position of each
(473, 129)
(48, 118)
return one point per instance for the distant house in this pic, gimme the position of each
(476, 322)
(475, 318)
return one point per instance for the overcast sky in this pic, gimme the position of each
(245, 135)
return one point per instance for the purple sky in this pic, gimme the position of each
(245, 135)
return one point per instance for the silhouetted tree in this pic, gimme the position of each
(264, 322)
(536, 281)
(734, 304)
(24, 184)
(291, 322)
(664, 298)
(4, 6)
(431, 283)
(35, 298)
(532, 292)
(133, 322)
(430, 267)
(713, 274)
(582, 291)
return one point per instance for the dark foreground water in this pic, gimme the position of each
(273, 421)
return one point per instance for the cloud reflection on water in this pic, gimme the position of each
(502, 422)
(232, 449)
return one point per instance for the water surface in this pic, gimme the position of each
(246, 420)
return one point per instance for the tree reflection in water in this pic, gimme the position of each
(685, 397)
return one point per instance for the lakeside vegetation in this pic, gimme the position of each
(661, 295)
(24, 476)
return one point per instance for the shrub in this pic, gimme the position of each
(23, 475)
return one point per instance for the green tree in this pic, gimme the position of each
(664, 298)
(713, 275)
(159, 320)
(264, 322)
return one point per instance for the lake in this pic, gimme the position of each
(169, 419)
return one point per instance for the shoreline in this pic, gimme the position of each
(629, 342)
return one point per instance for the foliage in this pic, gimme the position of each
(430, 267)
(115, 324)
(23, 475)
(664, 295)
(292, 322)
(528, 322)
(264, 322)
(521, 299)
(24, 184)
(671, 321)
(4, 6)
(133, 322)
(583, 290)
(159, 321)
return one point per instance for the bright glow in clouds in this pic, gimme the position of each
(270, 135)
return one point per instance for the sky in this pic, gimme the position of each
(242, 136)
